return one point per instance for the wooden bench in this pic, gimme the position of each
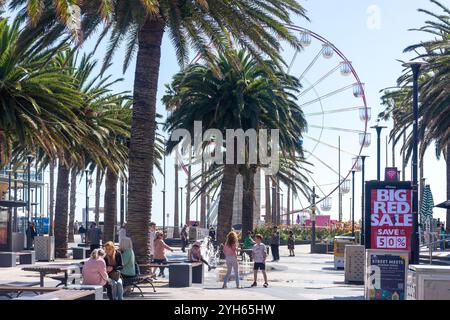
(62, 294)
(7, 290)
(138, 280)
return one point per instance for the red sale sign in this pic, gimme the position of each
(391, 220)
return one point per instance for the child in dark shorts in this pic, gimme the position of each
(291, 244)
(259, 257)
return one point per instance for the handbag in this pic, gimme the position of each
(115, 275)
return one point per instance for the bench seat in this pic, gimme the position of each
(63, 294)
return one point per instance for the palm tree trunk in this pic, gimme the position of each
(176, 218)
(61, 210)
(110, 200)
(142, 142)
(248, 200)
(225, 210)
(447, 159)
(52, 197)
(98, 183)
(73, 196)
(268, 216)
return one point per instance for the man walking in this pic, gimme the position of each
(184, 238)
(93, 236)
(275, 244)
(30, 233)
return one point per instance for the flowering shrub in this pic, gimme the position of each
(304, 232)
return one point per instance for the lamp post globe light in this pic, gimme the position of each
(415, 67)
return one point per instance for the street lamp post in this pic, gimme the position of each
(353, 203)
(313, 221)
(164, 190)
(9, 182)
(122, 202)
(281, 209)
(29, 158)
(181, 208)
(378, 128)
(363, 227)
(415, 67)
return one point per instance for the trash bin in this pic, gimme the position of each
(339, 249)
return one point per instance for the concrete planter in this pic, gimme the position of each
(18, 241)
(322, 248)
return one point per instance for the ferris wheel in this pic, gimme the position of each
(334, 104)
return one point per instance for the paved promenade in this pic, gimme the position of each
(305, 277)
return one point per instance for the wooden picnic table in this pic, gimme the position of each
(51, 269)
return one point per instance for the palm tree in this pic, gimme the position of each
(257, 26)
(97, 146)
(434, 110)
(38, 102)
(241, 95)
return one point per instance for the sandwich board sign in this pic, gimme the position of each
(386, 274)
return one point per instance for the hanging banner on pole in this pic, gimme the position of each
(389, 220)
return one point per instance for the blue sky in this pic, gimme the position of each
(371, 34)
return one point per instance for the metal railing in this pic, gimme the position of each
(434, 244)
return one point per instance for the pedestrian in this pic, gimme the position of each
(195, 254)
(94, 269)
(443, 236)
(248, 244)
(184, 238)
(275, 244)
(160, 248)
(152, 237)
(212, 236)
(212, 233)
(123, 232)
(259, 257)
(291, 244)
(114, 266)
(93, 236)
(230, 252)
(82, 232)
(30, 233)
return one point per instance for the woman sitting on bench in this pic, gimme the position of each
(195, 254)
(94, 269)
(128, 261)
(114, 265)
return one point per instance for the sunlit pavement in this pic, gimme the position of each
(304, 277)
